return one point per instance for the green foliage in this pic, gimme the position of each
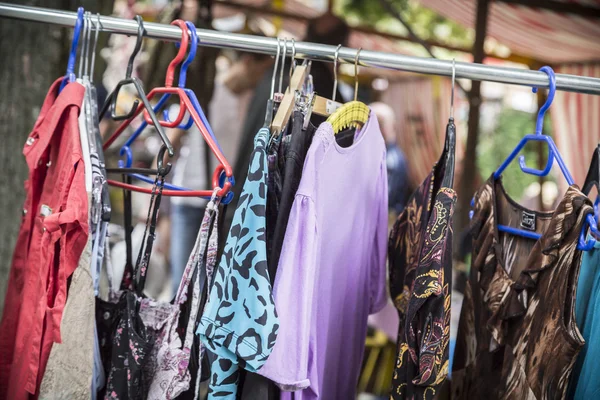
(426, 23)
(496, 145)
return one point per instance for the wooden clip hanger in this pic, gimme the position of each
(287, 104)
(323, 106)
(320, 105)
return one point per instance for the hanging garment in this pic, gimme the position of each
(331, 273)
(585, 379)
(170, 357)
(275, 161)
(299, 143)
(290, 156)
(53, 234)
(239, 323)
(517, 337)
(199, 362)
(252, 385)
(70, 367)
(420, 259)
(100, 197)
(125, 339)
(99, 216)
(132, 343)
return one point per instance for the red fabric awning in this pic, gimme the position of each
(576, 123)
(544, 35)
(422, 108)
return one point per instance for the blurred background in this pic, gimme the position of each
(491, 118)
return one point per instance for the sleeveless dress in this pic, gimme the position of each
(517, 336)
(170, 358)
(420, 262)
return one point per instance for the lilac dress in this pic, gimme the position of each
(331, 273)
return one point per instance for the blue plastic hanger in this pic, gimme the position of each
(593, 179)
(182, 79)
(126, 149)
(70, 75)
(553, 154)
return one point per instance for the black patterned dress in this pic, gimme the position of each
(125, 339)
(420, 261)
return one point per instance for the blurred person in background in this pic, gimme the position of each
(326, 29)
(397, 167)
(331, 30)
(180, 217)
(192, 166)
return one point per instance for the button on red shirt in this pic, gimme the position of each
(53, 233)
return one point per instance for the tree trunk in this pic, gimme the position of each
(33, 55)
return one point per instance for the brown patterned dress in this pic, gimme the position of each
(517, 337)
(420, 259)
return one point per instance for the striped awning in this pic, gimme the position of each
(543, 35)
(576, 123)
(422, 110)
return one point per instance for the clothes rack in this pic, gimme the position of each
(314, 51)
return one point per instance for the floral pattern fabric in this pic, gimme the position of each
(132, 343)
(420, 260)
(126, 339)
(170, 358)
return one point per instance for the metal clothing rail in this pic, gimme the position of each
(314, 51)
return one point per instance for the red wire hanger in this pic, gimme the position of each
(185, 104)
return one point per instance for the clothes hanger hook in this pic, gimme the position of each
(97, 31)
(180, 54)
(356, 73)
(282, 65)
(191, 54)
(141, 32)
(336, 56)
(539, 125)
(88, 45)
(84, 48)
(452, 92)
(70, 75)
(293, 65)
(82, 52)
(162, 169)
(273, 77)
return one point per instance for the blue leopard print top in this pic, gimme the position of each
(240, 323)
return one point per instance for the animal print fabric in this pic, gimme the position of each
(170, 358)
(420, 260)
(517, 336)
(239, 324)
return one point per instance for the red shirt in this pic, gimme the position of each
(54, 231)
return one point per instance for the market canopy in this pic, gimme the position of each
(568, 40)
(544, 35)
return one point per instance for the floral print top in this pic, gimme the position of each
(420, 262)
(126, 340)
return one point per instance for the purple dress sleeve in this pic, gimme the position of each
(288, 365)
(379, 258)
